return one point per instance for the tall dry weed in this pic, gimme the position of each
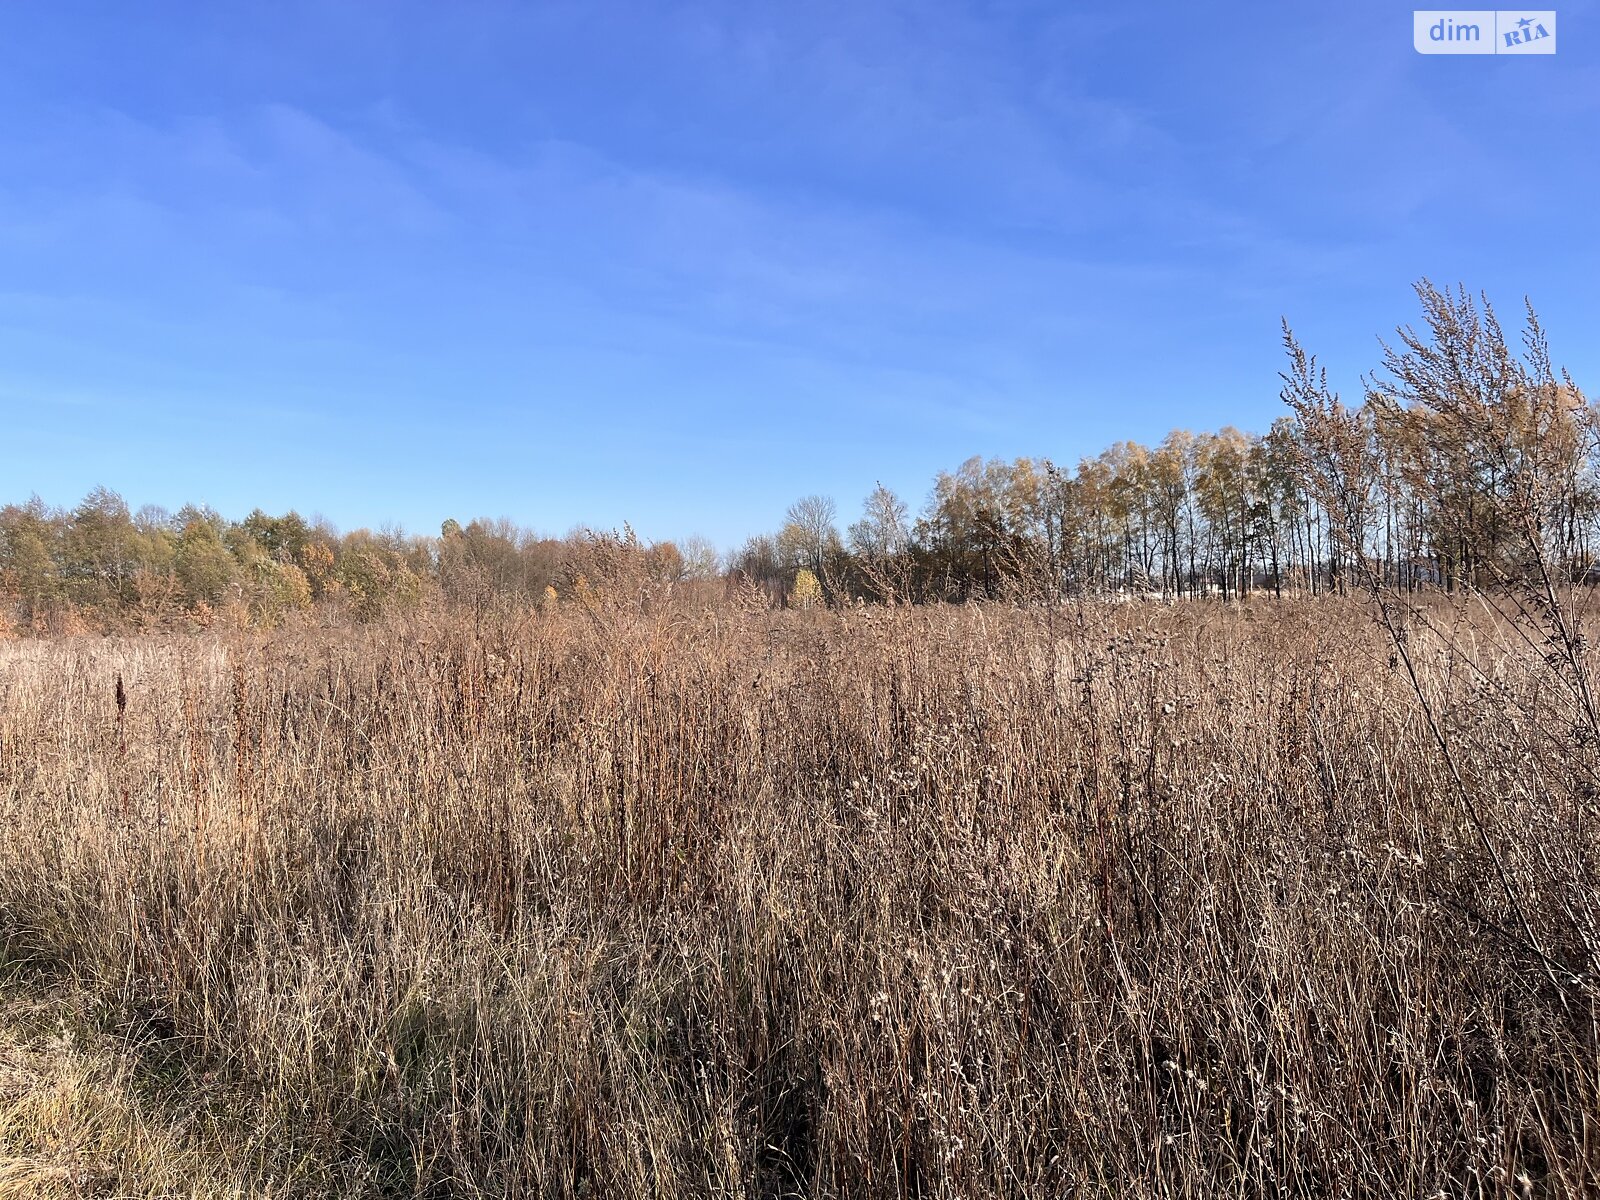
(941, 901)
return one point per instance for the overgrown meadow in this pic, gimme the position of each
(711, 900)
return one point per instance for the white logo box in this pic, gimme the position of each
(1484, 31)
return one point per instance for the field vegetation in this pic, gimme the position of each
(939, 901)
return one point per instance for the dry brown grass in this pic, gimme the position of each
(939, 902)
(73, 1124)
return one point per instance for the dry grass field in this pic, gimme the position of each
(940, 902)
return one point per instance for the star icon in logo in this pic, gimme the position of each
(1525, 22)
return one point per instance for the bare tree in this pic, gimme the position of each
(700, 558)
(884, 529)
(808, 532)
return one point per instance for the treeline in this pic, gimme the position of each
(100, 566)
(1467, 463)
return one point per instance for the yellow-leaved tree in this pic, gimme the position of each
(807, 592)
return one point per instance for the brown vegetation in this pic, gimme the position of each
(628, 898)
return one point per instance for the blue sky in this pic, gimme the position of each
(678, 264)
